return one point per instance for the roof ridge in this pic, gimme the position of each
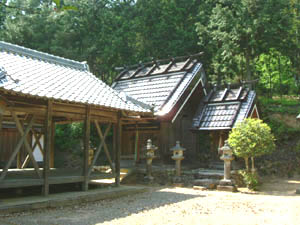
(43, 56)
(187, 59)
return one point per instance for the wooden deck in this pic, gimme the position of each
(28, 177)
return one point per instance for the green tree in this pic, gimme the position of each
(276, 74)
(240, 31)
(251, 138)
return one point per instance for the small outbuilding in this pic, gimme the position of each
(221, 110)
(172, 89)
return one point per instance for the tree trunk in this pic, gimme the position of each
(253, 168)
(248, 68)
(247, 163)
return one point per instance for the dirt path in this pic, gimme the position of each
(275, 204)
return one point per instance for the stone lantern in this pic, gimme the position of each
(150, 155)
(226, 184)
(178, 156)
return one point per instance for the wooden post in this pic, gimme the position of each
(47, 148)
(119, 146)
(136, 145)
(1, 119)
(86, 141)
(114, 144)
(52, 145)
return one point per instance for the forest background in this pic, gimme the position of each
(242, 40)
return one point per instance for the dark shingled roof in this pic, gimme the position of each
(223, 109)
(41, 75)
(160, 86)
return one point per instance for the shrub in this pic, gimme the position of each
(250, 179)
(251, 138)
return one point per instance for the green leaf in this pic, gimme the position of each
(57, 3)
(65, 7)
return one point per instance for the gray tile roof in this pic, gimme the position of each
(223, 109)
(32, 73)
(159, 86)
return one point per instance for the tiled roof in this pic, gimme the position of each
(223, 109)
(32, 73)
(160, 86)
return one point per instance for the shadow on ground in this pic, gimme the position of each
(102, 211)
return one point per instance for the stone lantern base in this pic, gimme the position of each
(226, 185)
(148, 179)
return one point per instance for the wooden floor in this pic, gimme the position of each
(28, 177)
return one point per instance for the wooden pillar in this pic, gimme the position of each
(52, 145)
(86, 141)
(114, 144)
(136, 144)
(48, 132)
(118, 152)
(1, 119)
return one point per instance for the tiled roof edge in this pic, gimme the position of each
(42, 56)
(251, 102)
(139, 103)
(196, 69)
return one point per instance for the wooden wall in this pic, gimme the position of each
(128, 142)
(8, 140)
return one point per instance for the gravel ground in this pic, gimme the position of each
(174, 206)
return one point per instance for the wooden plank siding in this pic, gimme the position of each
(8, 140)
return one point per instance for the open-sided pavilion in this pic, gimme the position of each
(38, 91)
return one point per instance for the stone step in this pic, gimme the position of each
(216, 165)
(208, 174)
(207, 183)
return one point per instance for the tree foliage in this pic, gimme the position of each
(251, 138)
(240, 31)
(237, 37)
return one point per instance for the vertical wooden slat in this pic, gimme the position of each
(118, 153)
(47, 146)
(86, 141)
(52, 145)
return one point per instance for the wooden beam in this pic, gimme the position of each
(37, 138)
(27, 146)
(86, 141)
(119, 146)
(31, 110)
(47, 145)
(36, 143)
(104, 144)
(17, 148)
(58, 107)
(97, 153)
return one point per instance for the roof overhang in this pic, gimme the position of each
(168, 107)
